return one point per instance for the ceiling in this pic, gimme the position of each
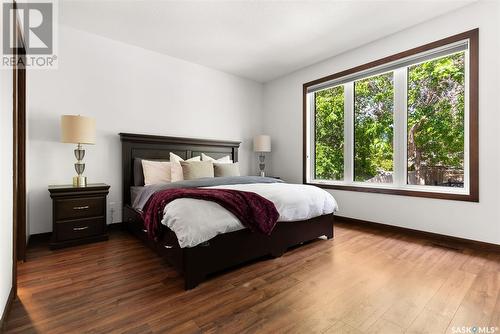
(259, 40)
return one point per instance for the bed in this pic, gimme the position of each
(225, 250)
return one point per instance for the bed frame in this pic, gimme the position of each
(225, 250)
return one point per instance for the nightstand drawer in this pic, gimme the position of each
(82, 207)
(79, 228)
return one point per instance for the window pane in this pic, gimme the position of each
(373, 129)
(329, 126)
(436, 122)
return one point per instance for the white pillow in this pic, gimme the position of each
(223, 160)
(156, 172)
(176, 172)
(197, 169)
(225, 169)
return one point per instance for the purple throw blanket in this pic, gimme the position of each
(253, 211)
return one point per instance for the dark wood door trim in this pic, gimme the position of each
(14, 169)
(19, 157)
(21, 164)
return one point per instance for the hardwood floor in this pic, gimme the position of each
(363, 281)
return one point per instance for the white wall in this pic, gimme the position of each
(6, 182)
(477, 221)
(126, 89)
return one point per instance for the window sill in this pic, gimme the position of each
(472, 197)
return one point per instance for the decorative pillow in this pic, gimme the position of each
(197, 169)
(139, 171)
(225, 159)
(176, 166)
(226, 169)
(156, 172)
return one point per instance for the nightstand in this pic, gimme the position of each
(78, 214)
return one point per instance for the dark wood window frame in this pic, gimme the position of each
(473, 196)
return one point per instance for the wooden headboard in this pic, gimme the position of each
(159, 147)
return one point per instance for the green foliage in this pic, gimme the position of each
(435, 121)
(329, 127)
(373, 126)
(436, 113)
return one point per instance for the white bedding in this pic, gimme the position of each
(196, 221)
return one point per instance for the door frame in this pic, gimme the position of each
(21, 162)
(19, 155)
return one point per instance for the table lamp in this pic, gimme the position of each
(262, 144)
(78, 130)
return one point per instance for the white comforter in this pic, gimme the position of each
(196, 221)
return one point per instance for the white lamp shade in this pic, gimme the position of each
(262, 143)
(77, 129)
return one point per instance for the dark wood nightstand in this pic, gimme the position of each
(78, 214)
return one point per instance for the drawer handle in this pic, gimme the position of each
(85, 207)
(80, 228)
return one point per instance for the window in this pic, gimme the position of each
(329, 152)
(436, 110)
(373, 129)
(406, 124)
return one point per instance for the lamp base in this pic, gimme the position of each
(79, 181)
